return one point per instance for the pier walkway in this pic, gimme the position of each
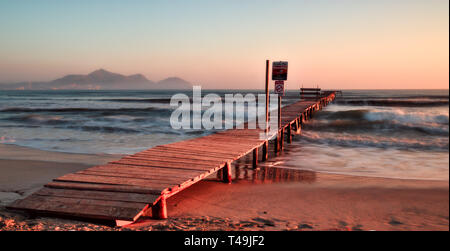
(140, 184)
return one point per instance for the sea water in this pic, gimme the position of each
(383, 133)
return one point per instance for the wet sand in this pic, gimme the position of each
(24, 170)
(271, 199)
(334, 202)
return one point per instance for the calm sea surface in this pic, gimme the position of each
(398, 134)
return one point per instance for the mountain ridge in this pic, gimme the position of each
(101, 79)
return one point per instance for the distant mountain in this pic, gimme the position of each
(174, 83)
(100, 80)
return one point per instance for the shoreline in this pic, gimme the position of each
(15, 152)
(315, 201)
(24, 170)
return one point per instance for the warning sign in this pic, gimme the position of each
(279, 70)
(279, 87)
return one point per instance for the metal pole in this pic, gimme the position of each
(267, 95)
(279, 111)
(280, 132)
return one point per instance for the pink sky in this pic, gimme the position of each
(345, 45)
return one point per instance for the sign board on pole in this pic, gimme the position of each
(279, 70)
(279, 87)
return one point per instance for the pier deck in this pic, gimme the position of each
(139, 184)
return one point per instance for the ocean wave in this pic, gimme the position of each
(105, 129)
(407, 117)
(75, 109)
(86, 113)
(377, 126)
(393, 103)
(376, 141)
(38, 119)
(382, 115)
(372, 121)
(138, 100)
(383, 97)
(350, 114)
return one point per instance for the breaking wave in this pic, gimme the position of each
(377, 141)
(62, 110)
(394, 103)
(394, 121)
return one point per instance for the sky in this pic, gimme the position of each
(335, 44)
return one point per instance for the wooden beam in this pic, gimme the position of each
(289, 139)
(255, 157)
(265, 151)
(159, 210)
(227, 173)
(281, 139)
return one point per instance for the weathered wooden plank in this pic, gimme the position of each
(194, 148)
(170, 164)
(153, 184)
(197, 152)
(176, 180)
(173, 158)
(164, 165)
(235, 139)
(98, 195)
(167, 159)
(147, 169)
(219, 146)
(214, 147)
(97, 209)
(104, 187)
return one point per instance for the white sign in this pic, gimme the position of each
(279, 87)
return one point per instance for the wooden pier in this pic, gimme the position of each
(139, 184)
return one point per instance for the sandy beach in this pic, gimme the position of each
(317, 201)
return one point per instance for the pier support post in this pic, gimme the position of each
(159, 211)
(298, 124)
(255, 158)
(226, 173)
(281, 139)
(289, 139)
(265, 151)
(276, 144)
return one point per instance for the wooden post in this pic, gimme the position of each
(281, 139)
(227, 173)
(237, 171)
(159, 211)
(265, 151)
(277, 143)
(255, 158)
(298, 126)
(267, 95)
(289, 139)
